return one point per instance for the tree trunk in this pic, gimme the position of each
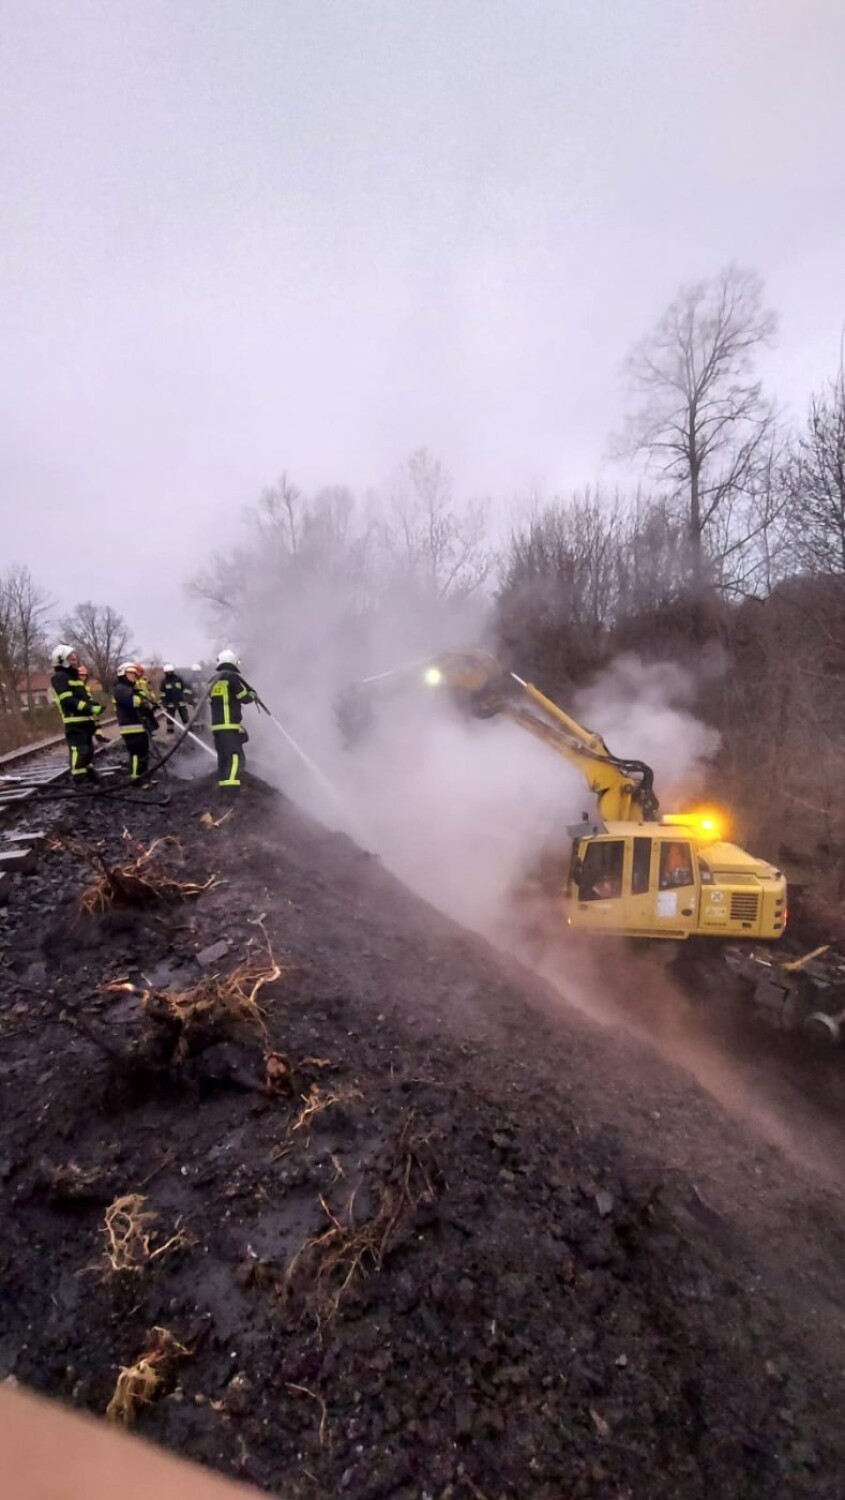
(9, 698)
(695, 530)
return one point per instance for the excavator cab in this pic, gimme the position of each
(652, 880)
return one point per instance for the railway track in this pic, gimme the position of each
(26, 772)
(25, 775)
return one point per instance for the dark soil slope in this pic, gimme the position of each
(431, 1234)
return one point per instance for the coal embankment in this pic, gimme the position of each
(351, 1210)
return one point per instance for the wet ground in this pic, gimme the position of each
(433, 1233)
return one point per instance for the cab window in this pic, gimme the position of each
(601, 871)
(675, 865)
(641, 868)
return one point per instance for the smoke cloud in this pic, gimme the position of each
(463, 810)
(459, 809)
(643, 710)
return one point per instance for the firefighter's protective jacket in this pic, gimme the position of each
(133, 710)
(173, 690)
(76, 705)
(229, 692)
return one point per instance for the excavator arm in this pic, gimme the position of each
(624, 789)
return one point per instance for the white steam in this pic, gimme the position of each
(459, 809)
(642, 709)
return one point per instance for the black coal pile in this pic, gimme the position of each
(296, 1182)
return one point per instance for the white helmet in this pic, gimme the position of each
(227, 658)
(126, 667)
(168, 667)
(60, 655)
(197, 667)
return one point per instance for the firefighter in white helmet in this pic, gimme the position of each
(174, 693)
(79, 713)
(229, 692)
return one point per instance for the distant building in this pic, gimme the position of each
(39, 690)
(37, 687)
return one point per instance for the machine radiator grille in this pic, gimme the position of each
(744, 907)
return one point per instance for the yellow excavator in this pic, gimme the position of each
(632, 873)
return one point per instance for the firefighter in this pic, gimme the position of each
(94, 734)
(197, 685)
(175, 694)
(229, 692)
(148, 705)
(133, 719)
(79, 714)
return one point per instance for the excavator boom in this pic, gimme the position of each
(624, 789)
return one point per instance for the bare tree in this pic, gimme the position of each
(651, 557)
(222, 586)
(295, 541)
(749, 543)
(816, 483)
(556, 592)
(9, 702)
(23, 610)
(99, 634)
(579, 567)
(438, 551)
(703, 420)
(280, 512)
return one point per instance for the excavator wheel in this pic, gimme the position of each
(824, 1028)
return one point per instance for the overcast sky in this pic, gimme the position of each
(242, 235)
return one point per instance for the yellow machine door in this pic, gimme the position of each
(600, 877)
(604, 900)
(675, 888)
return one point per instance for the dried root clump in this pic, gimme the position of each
(144, 880)
(131, 1238)
(345, 1250)
(138, 1384)
(220, 1006)
(207, 821)
(317, 1100)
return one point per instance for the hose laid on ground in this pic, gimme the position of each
(40, 791)
(120, 793)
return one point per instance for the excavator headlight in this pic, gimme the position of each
(432, 676)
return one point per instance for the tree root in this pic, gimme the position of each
(129, 1231)
(144, 880)
(317, 1100)
(224, 1005)
(333, 1260)
(137, 1384)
